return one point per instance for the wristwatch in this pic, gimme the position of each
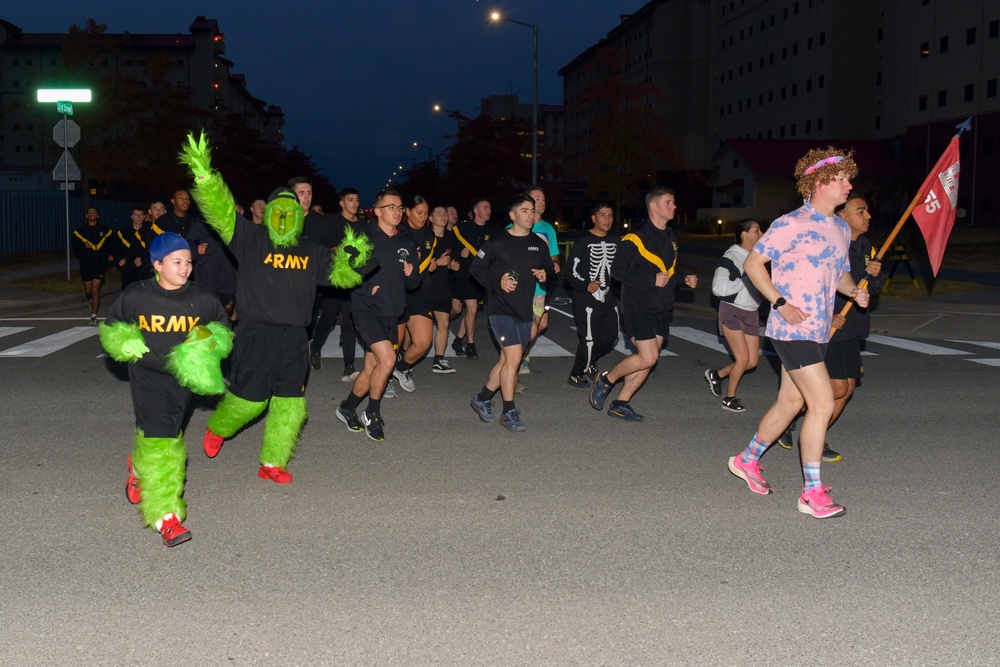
(779, 302)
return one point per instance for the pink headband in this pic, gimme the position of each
(833, 159)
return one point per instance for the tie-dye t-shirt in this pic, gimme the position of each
(808, 253)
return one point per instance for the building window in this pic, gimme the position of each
(760, 62)
(922, 103)
(770, 96)
(878, 35)
(736, 163)
(994, 29)
(970, 92)
(987, 147)
(822, 38)
(822, 80)
(970, 36)
(795, 9)
(809, 85)
(809, 44)
(878, 78)
(772, 25)
(769, 134)
(808, 126)
(819, 124)
(925, 49)
(17, 148)
(770, 58)
(795, 89)
(31, 149)
(792, 130)
(760, 99)
(878, 122)
(795, 49)
(942, 98)
(943, 44)
(784, 92)
(991, 88)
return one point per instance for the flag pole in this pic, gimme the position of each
(863, 283)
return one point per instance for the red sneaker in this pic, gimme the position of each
(173, 532)
(132, 485)
(212, 443)
(275, 474)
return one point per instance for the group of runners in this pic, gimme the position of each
(391, 281)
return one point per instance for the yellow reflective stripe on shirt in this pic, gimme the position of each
(156, 229)
(461, 239)
(430, 257)
(91, 245)
(122, 239)
(650, 257)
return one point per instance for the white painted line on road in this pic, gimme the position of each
(544, 347)
(913, 346)
(561, 312)
(44, 319)
(985, 362)
(698, 337)
(10, 331)
(980, 343)
(50, 344)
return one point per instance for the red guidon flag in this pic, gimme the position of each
(936, 215)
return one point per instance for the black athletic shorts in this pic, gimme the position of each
(466, 288)
(647, 326)
(372, 328)
(160, 403)
(417, 303)
(269, 360)
(843, 359)
(796, 354)
(90, 272)
(510, 331)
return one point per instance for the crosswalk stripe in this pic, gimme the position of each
(981, 343)
(50, 344)
(698, 337)
(986, 362)
(10, 331)
(913, 346)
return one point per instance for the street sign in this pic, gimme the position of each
(66, 133)
(72, 186)
(65, 107)
(66, 169)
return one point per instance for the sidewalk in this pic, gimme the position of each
(18, 301)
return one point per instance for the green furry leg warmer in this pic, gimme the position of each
(160, 463)
(233, 414)
(281, 432)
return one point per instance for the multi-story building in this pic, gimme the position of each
(192, 62)
(900, 72)
(550, 122)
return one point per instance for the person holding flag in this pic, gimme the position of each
(808, 253)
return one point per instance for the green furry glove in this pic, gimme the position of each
(350, 264)
(210, 191)
(123, 341)
(195, 362)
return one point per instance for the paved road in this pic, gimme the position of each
(583, 541)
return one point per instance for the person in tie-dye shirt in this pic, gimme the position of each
(807, 251)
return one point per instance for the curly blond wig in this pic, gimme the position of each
(820, 166)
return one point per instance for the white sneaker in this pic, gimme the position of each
(405, 379)
(390, 390)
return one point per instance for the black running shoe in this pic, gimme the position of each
(714, 383)
(350, 419)
(578, 381)
(732, 404)
(458, 345)
(373, 426)
(470, 351)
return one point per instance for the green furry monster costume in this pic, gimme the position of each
(278, 274)
(158, 331)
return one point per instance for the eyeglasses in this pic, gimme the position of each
(392, 207)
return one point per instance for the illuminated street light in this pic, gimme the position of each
(496, 16)
(430, 153)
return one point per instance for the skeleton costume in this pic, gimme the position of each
(596, 314)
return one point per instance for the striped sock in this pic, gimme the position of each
(810, 474)
(754, 450)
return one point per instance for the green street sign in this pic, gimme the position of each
(65, 107)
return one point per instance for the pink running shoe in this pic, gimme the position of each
(816, 502)
(749, 473)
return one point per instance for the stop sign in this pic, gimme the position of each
(66, 133)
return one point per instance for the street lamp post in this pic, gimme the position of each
(496, 16)
(64, 98)
(430, 153)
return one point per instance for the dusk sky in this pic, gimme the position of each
(356, 80)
